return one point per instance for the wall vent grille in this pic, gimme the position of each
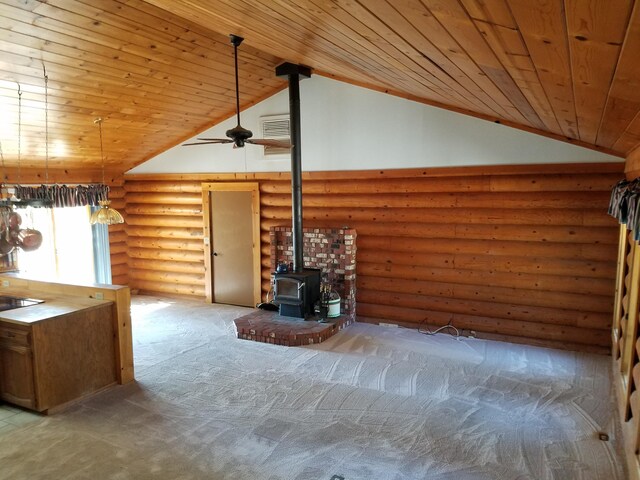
(275, 127)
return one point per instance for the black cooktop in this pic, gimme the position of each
(9, 303)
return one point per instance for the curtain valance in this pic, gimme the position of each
(63, 195)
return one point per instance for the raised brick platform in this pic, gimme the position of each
(270, 327)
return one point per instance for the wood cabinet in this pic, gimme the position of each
(16, 366)
(48, 363)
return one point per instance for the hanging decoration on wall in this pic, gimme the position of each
(105, 215)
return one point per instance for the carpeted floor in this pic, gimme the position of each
(370, 403)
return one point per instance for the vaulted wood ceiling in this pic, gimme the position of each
(159, 71)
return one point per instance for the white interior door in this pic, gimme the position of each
(234, 243)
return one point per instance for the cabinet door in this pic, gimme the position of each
(16, 375)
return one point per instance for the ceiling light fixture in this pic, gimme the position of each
(105, 215)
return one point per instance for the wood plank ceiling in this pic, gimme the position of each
(160, 71)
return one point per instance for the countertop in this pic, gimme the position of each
(53, 306)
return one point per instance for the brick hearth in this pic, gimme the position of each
(331, 249)
(334, 251)
(270, 327)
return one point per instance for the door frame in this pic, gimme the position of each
(254, 188)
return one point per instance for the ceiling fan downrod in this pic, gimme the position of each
(236, 41)
(238, 134)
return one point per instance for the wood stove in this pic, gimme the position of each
(296, 293)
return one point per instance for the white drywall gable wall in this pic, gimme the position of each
(345, 127)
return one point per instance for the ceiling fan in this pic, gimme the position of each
(239, 135)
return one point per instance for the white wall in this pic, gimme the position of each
(345, 127)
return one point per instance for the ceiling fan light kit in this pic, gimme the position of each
(239, 135)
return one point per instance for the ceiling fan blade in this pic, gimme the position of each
(270, 143)
(208, 141)
(218, 140)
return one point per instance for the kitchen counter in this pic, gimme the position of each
(74, 344)
(21, 286)
(53, 306)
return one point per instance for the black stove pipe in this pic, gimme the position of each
(296, 173)
(293, 73)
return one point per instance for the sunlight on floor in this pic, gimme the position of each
(139, 310)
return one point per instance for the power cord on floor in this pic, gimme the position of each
(424, 329)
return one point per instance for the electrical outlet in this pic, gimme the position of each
(391, 325)
(6, 283)
(99, 296)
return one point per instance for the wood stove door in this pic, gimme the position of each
(234, 252)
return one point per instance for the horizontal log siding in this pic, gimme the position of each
(522, 253)
(164, 229)
(118, 239)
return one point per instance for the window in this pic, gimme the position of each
(70, 248)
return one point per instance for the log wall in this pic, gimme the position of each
(164, 228)
(118, 239)
(520, 253)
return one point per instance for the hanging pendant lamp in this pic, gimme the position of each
(105, 215)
